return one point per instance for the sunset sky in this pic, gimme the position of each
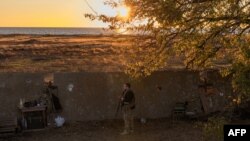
(50, 13)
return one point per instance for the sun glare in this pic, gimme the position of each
(123, 11)
(122, 31)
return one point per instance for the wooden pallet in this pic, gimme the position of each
(8, 126)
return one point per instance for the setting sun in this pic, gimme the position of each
(56, 13)
(123, 11)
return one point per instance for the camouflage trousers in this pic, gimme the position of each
(128, 117)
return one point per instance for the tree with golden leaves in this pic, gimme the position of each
(205, 34)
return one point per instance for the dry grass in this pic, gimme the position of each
(47, 53)
(26, 53)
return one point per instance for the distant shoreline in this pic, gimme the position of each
(76, 35)
(53, 31)
(59, 31)
(60, 27)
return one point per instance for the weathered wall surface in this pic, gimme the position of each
(14, 86)
(94, 96)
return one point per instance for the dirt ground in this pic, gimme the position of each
(153, 130)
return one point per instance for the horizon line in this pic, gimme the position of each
(46, 27)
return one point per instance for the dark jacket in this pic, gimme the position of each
(128, 98)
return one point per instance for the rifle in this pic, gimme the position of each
(118, 108)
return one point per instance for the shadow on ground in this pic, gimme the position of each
(153, 130)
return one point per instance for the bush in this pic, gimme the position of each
(212, 130)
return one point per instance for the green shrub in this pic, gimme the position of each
(212, 130)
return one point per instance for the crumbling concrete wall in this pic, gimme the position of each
(14, 86)
(94, 96)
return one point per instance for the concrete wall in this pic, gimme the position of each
(94, 96)
(14, 86)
